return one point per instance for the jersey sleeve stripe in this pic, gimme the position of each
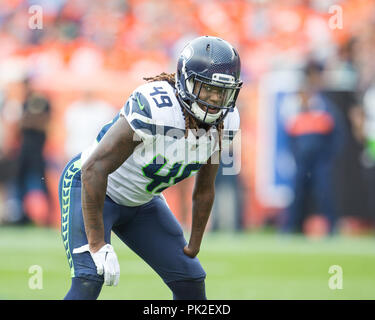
(126, 108)
(106, 128)
(154, 129)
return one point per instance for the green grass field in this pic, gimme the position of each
(238, 266)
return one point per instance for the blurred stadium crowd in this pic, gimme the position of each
(60, 83)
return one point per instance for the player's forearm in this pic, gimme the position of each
(202, 206)
(94, 185)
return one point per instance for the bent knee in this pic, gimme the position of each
(193, 289)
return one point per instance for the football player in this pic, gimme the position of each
(154, 142)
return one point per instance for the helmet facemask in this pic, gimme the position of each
(199, 101)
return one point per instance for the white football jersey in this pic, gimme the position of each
(165, 157)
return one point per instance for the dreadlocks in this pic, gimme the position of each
(190, 121)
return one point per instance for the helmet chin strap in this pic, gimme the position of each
(200, 114)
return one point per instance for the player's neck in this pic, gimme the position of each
(204, 126)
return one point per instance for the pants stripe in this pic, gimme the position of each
(65, 192)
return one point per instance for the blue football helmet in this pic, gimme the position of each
(211, 64)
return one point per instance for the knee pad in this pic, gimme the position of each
(84, 289)
(188, 289)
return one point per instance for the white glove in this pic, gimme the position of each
(106, 262)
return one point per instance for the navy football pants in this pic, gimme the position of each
(150, 230)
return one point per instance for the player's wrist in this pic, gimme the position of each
(96, 246)
(195, 239)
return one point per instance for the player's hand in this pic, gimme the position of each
(106, 262)
(191, 252)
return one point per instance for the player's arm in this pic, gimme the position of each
(203, 199)
(115, 147)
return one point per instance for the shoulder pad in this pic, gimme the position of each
(231, 125)
(150, 107)
(139, 104)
